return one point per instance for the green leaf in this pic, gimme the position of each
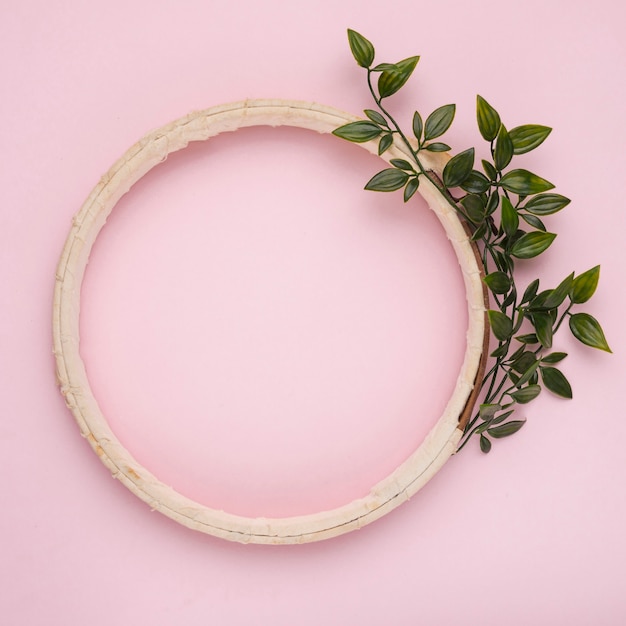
(510, 218)
(525, 183)
(538, 301)
(517, 354)
(411, 188)
(498, 282)
(437, 147)
(362, 49)
(485, 444)
(505, 263)
(526, 394)
(504, 149)
(487, 411)
(358, 132)
(528, 137)
(521, 315)
(418, 126)
(504, 430)
(458, 168)
(476, 182)
(501, 325)
(555, 381)
(384, 66)
(546, 203)
(385, 143)
(587, 329)
(493, 202)
(500, 351)
(481, 428)
(480, 232)
(530, 245)
(519, 309)
(529, 373)
(387, 180)
(530, 338)
(585, 285)
(531, 291)
(508, 301)
(490, 170)
(534, 221)
(401, 164)
(555, 357)
(488, 119)
(524, 361)
(391, 81)
(376, 117)
(500, 260)
(502, 417)
(438, 122)
(474, 208)
(543, 328)
(558, 295)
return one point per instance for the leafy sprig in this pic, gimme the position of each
(503, 208)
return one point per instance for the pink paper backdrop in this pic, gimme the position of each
(272, 340)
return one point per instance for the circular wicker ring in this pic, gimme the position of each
(396, 488)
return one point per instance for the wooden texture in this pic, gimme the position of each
(396, 488)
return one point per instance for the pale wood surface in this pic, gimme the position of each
(396, 488)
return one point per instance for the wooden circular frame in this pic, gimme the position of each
(396, 488)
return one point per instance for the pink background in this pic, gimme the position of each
(270, 339)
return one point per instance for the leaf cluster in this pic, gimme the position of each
(505, 208)
(384, 80)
